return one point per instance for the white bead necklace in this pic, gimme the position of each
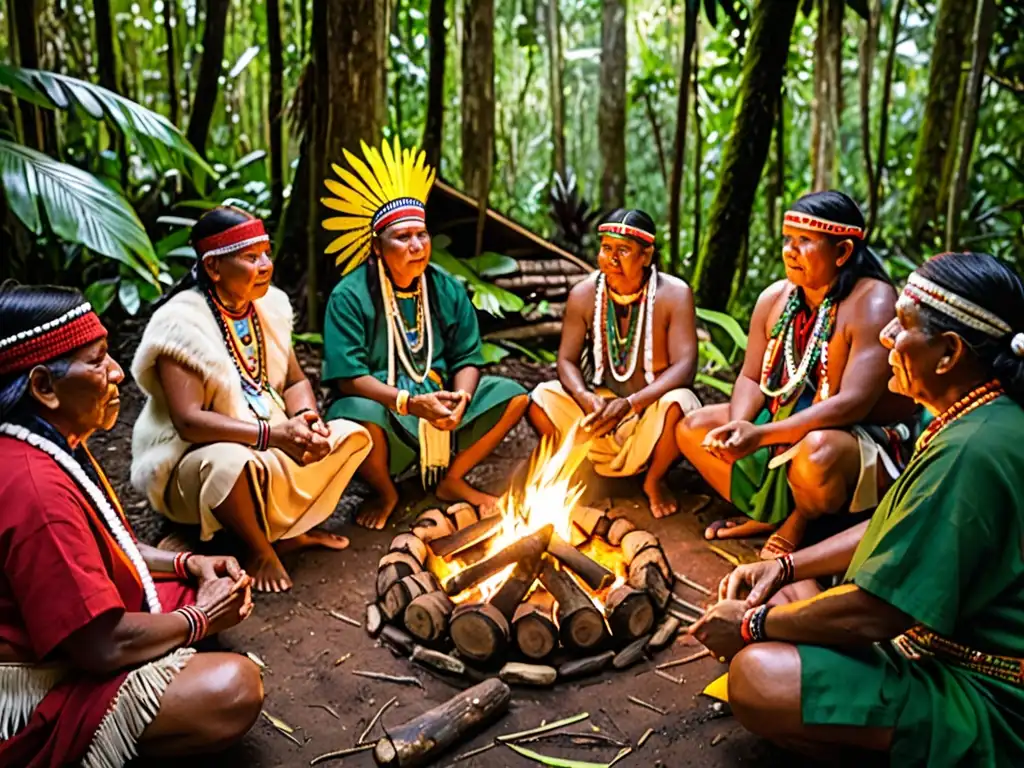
(394, 319)
(99, 500)
(646, 329)
(797, 374)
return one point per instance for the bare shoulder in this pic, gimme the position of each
(871, 301)
(674, 287)
(583, 291)
(770, 300)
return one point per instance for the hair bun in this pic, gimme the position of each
(1017, 344)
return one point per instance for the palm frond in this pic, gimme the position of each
(155, 136)
(78, 208)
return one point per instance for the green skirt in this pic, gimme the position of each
(941, 715)
(760, 493)
(489, 402)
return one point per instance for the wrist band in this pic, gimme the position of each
(198, 623)
(181, 565)
(788, 568)
(402, 402)
(745, 626)
(758, 616)
(262, 435)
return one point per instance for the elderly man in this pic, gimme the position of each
(809, 430)
(625, 314)
(96, 629)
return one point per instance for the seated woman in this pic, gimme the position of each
(393, 303)
(96, 629)
(920, 652)
(230, 436)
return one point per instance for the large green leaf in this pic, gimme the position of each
(726, 323)
(490, 264)
(79, 208)
(156, 136)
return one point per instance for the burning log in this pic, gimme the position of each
(590, 665)
(526, 548)
(432, 524)
(448, 546)
(394, 567)
(427, 616)
(481, 631)
(618, 529)
(593, 574)
(580, 625)
(411, 544)
(419, 741)
(534, 625)
(630, 613)
(404, 591)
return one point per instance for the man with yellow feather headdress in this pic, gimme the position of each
(401, 341)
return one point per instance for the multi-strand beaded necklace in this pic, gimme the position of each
(782, 380)
(412, 341)
(624, 351)
(974, 399)
(243, 336)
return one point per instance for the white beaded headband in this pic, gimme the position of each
(239, 246)
(67, 317)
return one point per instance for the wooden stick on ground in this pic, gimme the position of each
(417, 742)
(685, 659)
(376, 717)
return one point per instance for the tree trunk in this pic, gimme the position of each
(556, 66)
(25, 15)
(433, 134)
(745, 150)
(205, 100)
(828, 92)
(170, 22)
(937, 136)
(349, 53)
(276, 108)
(478, 105)
(883, 115)
(611, 115)
(984, 24)
(679, 147)
(868, 51)
(698, 159)
(107, 58)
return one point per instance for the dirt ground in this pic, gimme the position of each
(301, 643)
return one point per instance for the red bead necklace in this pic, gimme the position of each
(976, 398)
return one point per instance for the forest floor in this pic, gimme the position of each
(301, 643)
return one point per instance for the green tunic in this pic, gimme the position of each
(946, 547)
(356, 344)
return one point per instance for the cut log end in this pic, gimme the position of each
(584, 629)
(427, 616)
(480, 632)
(630, 613)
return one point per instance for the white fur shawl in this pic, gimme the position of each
(185, 330)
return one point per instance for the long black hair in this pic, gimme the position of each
(634, 217)
(840, 208)
(23, 307)
(987, 282)
(213, 222)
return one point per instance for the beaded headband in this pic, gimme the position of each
(73, 329)
(611, 228)
(398, 211)
(236, 238)
(921, 290)
(818, 224)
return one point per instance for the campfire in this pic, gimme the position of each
(541, 578)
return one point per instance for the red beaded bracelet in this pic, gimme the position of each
(198, 623)
(181, 565)
(748, 638)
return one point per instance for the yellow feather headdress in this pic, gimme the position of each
(391, 186)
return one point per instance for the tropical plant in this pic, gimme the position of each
(715, 367)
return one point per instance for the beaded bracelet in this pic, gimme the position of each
(262, 436)
(181, 565)
(402, 402)
(745, 626)
(788, 568)
(758, 616)
(198, 623)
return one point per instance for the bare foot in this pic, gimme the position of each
(313, 538)
(662, 500)
(375, 512)
(267, 572)
(457, 489)
(736, 528)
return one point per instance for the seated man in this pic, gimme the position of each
(630, 415)
(402, 350)
(811, 393)
(96, 629)
(919, 654)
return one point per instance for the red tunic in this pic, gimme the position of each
(61, 570)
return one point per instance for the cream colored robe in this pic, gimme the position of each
(291, 498)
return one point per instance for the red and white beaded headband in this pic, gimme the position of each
(612, 228)
(921, 290)
(397, 211)
(236, 238)
(818, 224)
(25, 349)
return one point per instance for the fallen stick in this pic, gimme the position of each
(685, 660)
(328, 709)
(343, 617)
(727, 556)
(544, 728)
(646, 705)
(692, 584)
(373, 722)
(419, 741)
(341, 753)
(687, 605)
(667, 676)
(475, 752)
(645, 737)
(400, 679)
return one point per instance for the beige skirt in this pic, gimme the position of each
(627, 449)
(290, 498)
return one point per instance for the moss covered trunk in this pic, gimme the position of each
(478, 103)
(745, 151)
(611, 116)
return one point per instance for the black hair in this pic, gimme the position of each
(213, 222)
(634, 217)
(983, 280)
(23, 307)
(840, 208)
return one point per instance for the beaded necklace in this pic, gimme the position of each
(974, 399)
(243, 336)
(783, 339)
(396, 326)
(413, 336)
(623, 352)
